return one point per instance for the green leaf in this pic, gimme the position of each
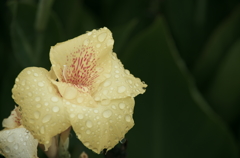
(216, 48)
(171, 118)
(224, 90)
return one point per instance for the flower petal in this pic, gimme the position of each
(119, 84)
(18, 143)
(104, 126)
(40, 103)
(82, 61)
(13, 121)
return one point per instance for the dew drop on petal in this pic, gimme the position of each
(122, 141)
(122, 105)
(107, 83)
(54, 99)
(113, 106)
(40, 84)
(102, 37)
(80, 116)
(55, 109)
(35, 74)
(29, 94)
(86, 42)
(107, 113)
(38, 105)
(89, 124)
(88, 131)
(10, 138)
(95, 111)
(116, 76)
(80, 100)
(36, 114)
(46, 118)
(98, 45)
(7, 149)
(16, 80)
(42, 130)
(128, 118)
(121, 89)
(72, 115)
(37, 99)
(16, 147)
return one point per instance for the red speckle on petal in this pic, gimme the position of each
(80, 69)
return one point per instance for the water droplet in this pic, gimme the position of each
(110, 42)
(97, 98)
(122, 141)
(80, 116)
(88, 131)
(37, 99)
(89, 124)
(89, 33)
(95, 111)
(116, 76)
(55, 109)
(40, 84)
(122, 105)
(86, 42)
(72, 115)
(80, 100)
(36, 114)
(38, 105)
(121, 89)
(117, 71)
(7, 149)
(16, 80)
(42, 130)
(113, 106)
(70, 93)
(10, 138)
(86, 144)
(54, 99)
(128, 118)
(107, 83)
(102, 37)
(98, 45)
(46, 118)
(107, 113)
(29, 72)
(16, 147)
(35, 74)
(46, 104)
(23, 83)
(29, 94)
(127, 72)
(130, 81)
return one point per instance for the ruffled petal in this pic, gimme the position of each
(18, 143)
(84, 60)
(119, 84)
(104, 126)
(13, 121)
(41, 106)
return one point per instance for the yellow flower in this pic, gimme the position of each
(15, 140)
(87, 88)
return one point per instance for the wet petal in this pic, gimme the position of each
(82, 61)
(14, 120)
(41, 105)
(119, 84)
(104, 126)
(18, 143)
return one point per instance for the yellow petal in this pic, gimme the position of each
(18, 143)
(42, 109)
(104, 126)
(82, 61)
(119, 84)
(13, 121)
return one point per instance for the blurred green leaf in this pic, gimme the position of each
(172, 119)
(224, 91)
(216, 48)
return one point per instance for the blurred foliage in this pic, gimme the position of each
(188, 52)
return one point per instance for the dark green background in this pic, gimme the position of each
(187, 51)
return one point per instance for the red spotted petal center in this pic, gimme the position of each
(80, 69)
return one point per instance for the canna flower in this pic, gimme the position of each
(87, 88)
(15, 140)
